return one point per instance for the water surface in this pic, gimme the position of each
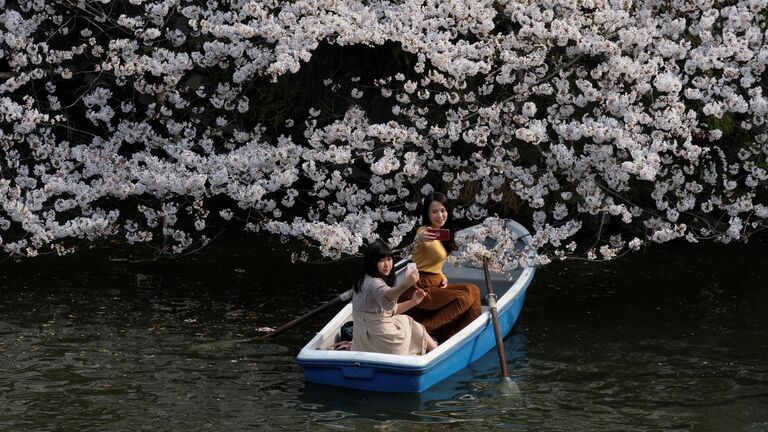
(672, 339)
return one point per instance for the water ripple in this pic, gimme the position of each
(169, 348)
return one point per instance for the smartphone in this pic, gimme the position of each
(441, 233)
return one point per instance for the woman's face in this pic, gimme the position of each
(385, 266)
(437, 214)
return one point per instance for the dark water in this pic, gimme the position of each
(675, 339)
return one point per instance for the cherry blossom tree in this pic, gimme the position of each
(603, 126)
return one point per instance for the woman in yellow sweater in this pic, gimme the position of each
(447, 308)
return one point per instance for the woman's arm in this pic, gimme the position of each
(409, 280)
(423, 235)
(402, 307)
(418, 297)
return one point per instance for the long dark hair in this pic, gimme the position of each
(450, 244)
(376, 251)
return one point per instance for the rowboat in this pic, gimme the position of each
(416, 373)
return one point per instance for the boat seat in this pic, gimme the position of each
(345, 332)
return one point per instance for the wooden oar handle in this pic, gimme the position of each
(495, 320)
(338, 299)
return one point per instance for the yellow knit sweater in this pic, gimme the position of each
(429, 256)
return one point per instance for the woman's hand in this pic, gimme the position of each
(444, 282)
(419, 295)
(426, 235)
(411, 277)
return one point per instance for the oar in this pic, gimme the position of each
(346, 295)
(495, 319)
(211, 346)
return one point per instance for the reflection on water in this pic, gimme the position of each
(673, 340)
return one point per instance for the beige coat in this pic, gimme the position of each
(378, 329)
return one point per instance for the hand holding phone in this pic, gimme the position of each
(411, 274)
(440, 233)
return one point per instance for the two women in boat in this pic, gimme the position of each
(432, 306)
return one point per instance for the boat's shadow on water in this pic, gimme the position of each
(474, 388)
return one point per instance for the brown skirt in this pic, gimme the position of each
(444, 311)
